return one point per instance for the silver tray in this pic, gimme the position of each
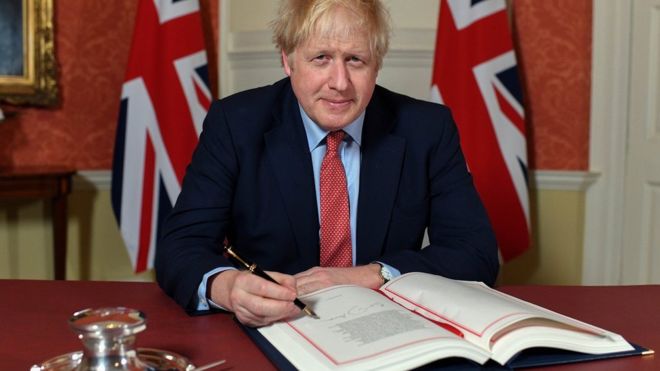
(155, 358)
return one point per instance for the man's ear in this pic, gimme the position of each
(285, 63)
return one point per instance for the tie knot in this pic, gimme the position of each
(333, 140)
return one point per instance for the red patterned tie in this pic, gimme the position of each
(335, 216)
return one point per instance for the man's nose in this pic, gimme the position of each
(339, 78)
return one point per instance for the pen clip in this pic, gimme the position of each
(244, 262)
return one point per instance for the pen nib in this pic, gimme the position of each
(310, 313)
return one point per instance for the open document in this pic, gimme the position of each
(418, 318)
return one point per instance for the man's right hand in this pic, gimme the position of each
(254, 300)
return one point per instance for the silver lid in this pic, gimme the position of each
(108, 322)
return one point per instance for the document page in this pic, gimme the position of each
(477, 310)
(358, 325)
(418, 318)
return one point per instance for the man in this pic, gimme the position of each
(258, 178)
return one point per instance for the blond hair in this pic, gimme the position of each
(298, 20)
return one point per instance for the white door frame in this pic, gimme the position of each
(610, 85)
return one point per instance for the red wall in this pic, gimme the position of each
(554, 51)
(93, 39)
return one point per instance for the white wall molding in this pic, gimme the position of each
(100, 180)
(92, 180)
(610, 79)
(246, 41)
(563, 180)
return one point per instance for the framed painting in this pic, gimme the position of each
(28, 70)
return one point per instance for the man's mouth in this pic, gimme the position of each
(338, 103)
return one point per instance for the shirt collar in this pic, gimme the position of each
(316, 135)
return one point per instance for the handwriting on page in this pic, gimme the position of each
(356, 324)
(355, 310)
(369, 328)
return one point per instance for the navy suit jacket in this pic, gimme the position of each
(251, 180)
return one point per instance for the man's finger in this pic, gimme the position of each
(285, 280)
(258, 286)
(259, 311)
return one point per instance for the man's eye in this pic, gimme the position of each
(355, 60)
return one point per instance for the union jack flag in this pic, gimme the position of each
(164, 99)
(475, 74)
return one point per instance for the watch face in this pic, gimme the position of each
(386, 274)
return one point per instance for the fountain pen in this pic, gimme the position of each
(254, 269)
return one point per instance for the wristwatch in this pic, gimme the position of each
(384, 273)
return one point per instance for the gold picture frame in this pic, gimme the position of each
(27, 28)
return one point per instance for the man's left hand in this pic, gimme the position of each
(321, 277)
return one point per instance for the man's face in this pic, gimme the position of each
(333, 78)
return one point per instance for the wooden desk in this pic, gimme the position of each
(49, 183)
(34, 316)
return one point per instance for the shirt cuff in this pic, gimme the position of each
(203, 302)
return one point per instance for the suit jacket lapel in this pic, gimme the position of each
(382, 157)
(288, 153)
